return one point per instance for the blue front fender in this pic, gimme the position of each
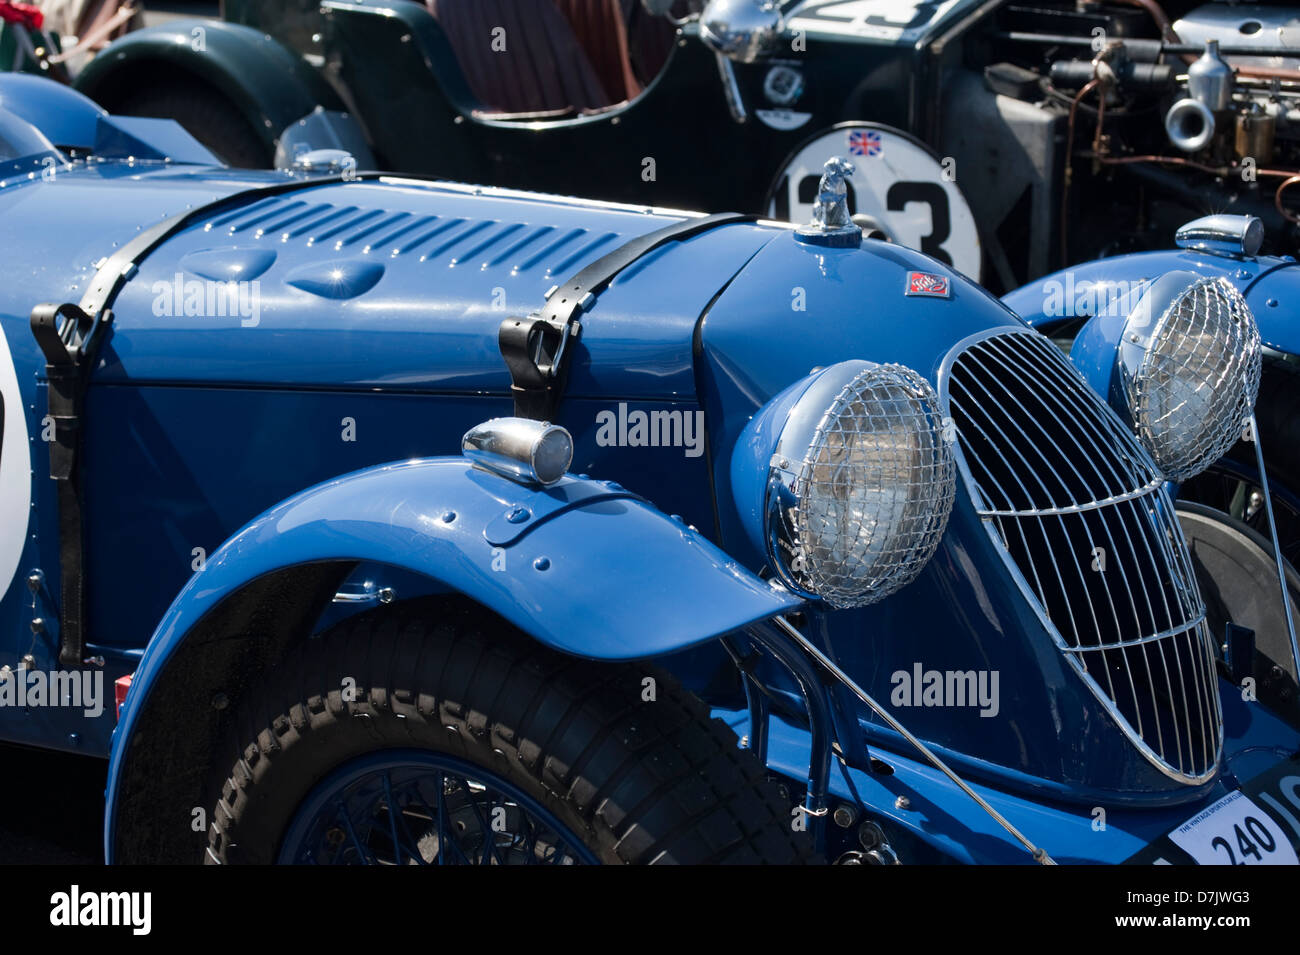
(583, 566)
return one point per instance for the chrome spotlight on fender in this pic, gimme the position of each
(1226, 235)
(520, 448)
(1190, 125)
(1189, 364)
(845, 481)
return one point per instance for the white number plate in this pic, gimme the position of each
(1234, 831)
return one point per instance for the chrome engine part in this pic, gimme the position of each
(1261, 104)
(1275, 28)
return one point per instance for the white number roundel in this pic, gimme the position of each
(899, 183)
(15, 471)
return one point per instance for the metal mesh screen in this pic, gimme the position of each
(1198, 380)
(874, 490)
(1080, 515)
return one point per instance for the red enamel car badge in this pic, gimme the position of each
(926, 283)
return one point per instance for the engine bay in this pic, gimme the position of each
(1165, 111)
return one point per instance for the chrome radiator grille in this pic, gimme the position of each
(1079, 513)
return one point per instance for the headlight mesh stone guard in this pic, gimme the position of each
(874, 490)
(1198, 378)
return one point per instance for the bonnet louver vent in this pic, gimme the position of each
(482, 243)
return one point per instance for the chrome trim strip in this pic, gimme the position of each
(1137, 641)
(558, 199)
(1155, 485)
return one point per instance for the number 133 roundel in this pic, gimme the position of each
(907, 191)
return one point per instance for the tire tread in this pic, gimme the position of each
(641, 782)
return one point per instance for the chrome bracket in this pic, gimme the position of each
(365, 593)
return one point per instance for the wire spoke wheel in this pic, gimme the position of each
(409, 807)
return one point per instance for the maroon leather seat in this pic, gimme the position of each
(601, 29)
(651, 38)
(543, 68)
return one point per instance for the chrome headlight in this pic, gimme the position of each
(1189, 364)
(846, 481)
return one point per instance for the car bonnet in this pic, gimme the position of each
(403, 284)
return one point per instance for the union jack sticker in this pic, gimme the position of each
(865, 142)
(926, 283)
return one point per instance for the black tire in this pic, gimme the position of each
(206, 115)
(636, 782)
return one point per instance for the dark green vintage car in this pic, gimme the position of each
(1005, 138)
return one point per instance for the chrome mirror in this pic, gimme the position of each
(741, 30)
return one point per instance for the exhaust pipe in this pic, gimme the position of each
(1190, 125)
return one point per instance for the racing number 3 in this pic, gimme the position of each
(933, 195)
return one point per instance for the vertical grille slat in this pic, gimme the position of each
(1104, 433)
(1079, 512)
(1075, 413)
(1009, 500)
(1129, 515)
(1073, 461)
(1003, 443)
(1130, 512)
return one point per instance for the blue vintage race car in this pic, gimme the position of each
(427, 523)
